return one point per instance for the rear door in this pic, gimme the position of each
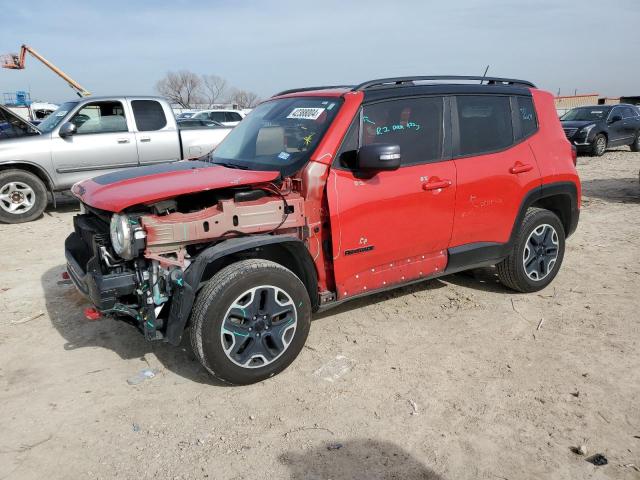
(495, 166)
(103, 142)
(394, 226)
(630, 123)
(156, 132)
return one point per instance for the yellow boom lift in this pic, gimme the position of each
(17, 62)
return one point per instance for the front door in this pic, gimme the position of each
(102, 142)
(617, 130)
(394, 226)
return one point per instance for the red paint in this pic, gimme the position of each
(92, 314)
(115, 197)
(366, 234)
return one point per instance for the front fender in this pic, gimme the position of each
(182, 301)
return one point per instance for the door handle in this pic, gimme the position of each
(436, 184)
(123, 140)
(145, 139)
(520, 168)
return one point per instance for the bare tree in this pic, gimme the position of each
(244, 98)
(183, 87)
(214, 89)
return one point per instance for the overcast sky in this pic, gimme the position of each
(110, 47)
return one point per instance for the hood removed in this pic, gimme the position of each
(116, 191)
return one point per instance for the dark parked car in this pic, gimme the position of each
(593, 129)
(197, 123)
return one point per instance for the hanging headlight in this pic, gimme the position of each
(121, 236)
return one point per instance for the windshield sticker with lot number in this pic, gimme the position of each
(62, 113)
(301, 113)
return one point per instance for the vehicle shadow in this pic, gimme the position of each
(65, 309)
(64, 203)
(358, 459)
(375, 298)
(613, 190)
(485, 279)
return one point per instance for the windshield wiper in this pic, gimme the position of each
(231, 165)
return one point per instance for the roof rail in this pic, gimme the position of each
(403, 81)
(308, 89)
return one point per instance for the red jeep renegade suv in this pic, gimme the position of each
(325, 194)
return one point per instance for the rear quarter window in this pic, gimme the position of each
(526, 116)
(484, 123)
(149, 115)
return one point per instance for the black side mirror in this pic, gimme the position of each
(378, 157)
(67, 129)
(615, 118)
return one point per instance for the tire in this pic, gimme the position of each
(23, 196)
(241, 352)
(599, 145)
(635, 146)
(519, 270)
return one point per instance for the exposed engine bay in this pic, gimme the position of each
(136, 260)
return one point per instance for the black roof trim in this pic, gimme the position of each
(380, 94)
(308, 89)
(408, 81)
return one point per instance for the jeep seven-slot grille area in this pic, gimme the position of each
(570, 132)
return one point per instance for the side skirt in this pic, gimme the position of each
(464, 257)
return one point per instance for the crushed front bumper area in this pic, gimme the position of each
(103, 290)
(124, 289)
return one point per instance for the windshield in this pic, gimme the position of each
(56, 117)
(586, 114)
(278, 135)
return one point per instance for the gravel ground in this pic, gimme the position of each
(456, 378)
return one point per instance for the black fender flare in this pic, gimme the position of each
(481, 254)
(546, 191)
(183, 299)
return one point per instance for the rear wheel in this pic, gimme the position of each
(536, 254)
(599, 145)
(250, 321)
(23, 196)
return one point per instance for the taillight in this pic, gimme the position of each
(574, 155)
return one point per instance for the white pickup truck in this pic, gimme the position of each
(85, 138)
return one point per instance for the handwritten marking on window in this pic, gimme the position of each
(398, 127)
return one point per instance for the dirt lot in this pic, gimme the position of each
(449, 379)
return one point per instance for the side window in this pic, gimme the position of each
(100, 117)
(232, 116)
(627, 112)
(615, 111)
(149, 115)
(485, 124)
(217, 116)
(415, 124)
(526, 116)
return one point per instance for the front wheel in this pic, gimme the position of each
(250, 321)
(599, 145)
(537, 252)
(635, 146)
(23, 196)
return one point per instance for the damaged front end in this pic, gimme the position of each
(138, 265)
